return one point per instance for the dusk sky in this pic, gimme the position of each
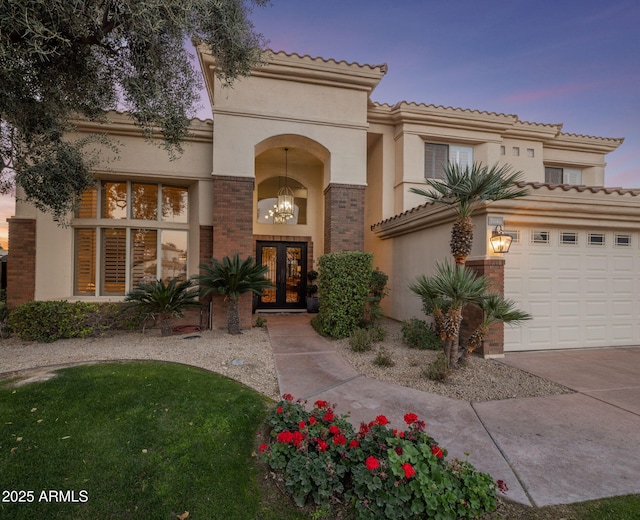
(575, 62)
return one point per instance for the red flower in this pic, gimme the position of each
(334, 429)
(408, 470)
(297, 438)
(263, 448)
(279, 410)
(382, 420)
(398, 433)
(399, 450)
(437, 451)
(287, 397)
(364, 429)
(354, 444)
(339, 439)
(328, 417)
(410, 418)
(320, 404)
(371, 463)
(312, 420)
(301, 425)
(322, 446)
(285, 437)
(502, 486)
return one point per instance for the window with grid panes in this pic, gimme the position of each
(114, 252)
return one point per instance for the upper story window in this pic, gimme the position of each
(268, 197)
(129, 233)
(554, 175)
(436, 156)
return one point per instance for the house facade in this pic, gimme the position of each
(308, 126)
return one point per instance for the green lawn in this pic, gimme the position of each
(133, 440)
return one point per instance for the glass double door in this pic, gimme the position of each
(287, 271)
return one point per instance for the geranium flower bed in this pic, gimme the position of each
(381, 472)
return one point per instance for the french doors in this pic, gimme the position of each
(287, 271)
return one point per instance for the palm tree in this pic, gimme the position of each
(496, 309)
(463, 190)
(445, 294)
(162, 302)
(231, 278)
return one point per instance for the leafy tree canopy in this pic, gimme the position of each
(61, 59)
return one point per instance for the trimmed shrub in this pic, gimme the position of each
(419, 334)
(48, 321)
(344, 286)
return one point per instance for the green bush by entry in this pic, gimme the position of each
(418, 334)
(48, 321)
(344, 287)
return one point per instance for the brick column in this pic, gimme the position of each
(21, 264)
(493, 270)
(232, 233)
(343, 218)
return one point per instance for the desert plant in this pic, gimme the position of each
(419, 334)
(496, 309)
(378, 290)
(447, 292)
(161, 302)
(231, 278)
(463, 189)
(438, 369)
(383, 358)
(360, 340)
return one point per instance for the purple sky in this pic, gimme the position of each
(575, 62)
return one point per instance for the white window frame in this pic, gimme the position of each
(593, 240)
(564, 238)
(571, 176)
(461, 155)
(540, 236)
(617, 240)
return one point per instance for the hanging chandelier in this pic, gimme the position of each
(285, 206)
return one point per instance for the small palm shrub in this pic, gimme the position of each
(381, 473)
(161, 302)
(419, 334)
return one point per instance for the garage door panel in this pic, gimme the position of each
(569, 310)
(579, 295)
(595, 263)
(540, 262)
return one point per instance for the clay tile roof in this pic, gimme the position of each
(383, 67)
(634, 192)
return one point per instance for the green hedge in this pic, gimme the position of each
(343, 289)
(47, 321)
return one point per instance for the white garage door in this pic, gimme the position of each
(581, 287)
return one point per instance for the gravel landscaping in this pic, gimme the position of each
(248, 358)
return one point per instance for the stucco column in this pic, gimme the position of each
(232, 233)
(343, 218)
(21, 264)
(493, 270)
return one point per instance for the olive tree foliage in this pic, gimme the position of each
(61, 60)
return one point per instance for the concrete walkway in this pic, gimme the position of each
(549, 450)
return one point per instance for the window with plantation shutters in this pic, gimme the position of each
(114, 261)
(85, 262)
(127, 233)
(436, 157)
(144, 256)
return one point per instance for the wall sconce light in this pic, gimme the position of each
(500, 241)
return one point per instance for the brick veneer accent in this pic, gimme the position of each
(343, 218)
(493, 270)
(21, 263)
(206, 252)
(232, 233)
